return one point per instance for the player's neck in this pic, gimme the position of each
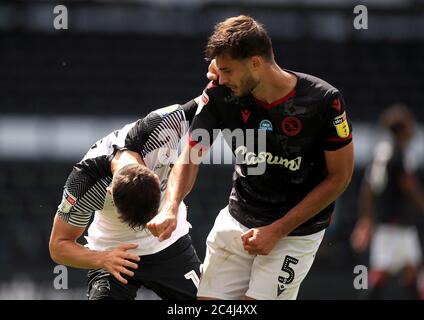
(275, 84)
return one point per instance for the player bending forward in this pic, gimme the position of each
(122, 181)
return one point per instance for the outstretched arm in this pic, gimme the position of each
(180, 183)
(184, 172)
(181, 180)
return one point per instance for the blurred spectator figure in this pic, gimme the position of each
(389, 193)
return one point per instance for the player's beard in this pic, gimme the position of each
(247, 85)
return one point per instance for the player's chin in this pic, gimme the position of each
(238, 93)
(233, 89)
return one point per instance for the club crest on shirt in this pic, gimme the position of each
(265, 125)
(68, 201)
(291, 126)
(342, 127)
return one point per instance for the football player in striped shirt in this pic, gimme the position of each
(119, 186)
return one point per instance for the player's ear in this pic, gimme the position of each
(256, 62)
(109, 190)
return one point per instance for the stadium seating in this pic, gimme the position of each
(131, 74)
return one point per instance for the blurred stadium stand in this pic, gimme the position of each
(62, 90)
(130, 74)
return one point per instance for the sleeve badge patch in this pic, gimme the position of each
(201, 102)
(342, 127)
(68, 201)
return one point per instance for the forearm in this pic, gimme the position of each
(72, 254)
(314, 202)
(181, 182)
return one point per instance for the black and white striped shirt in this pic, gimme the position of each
(156, 138)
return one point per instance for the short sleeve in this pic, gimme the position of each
(77, 204)
(206, 119)
(163, 127)
(337, 130)
(136, 136)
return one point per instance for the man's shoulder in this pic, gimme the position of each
(162, 118)
(84, 191)
(89, 172)
(163, 112)
(86, 174)
(314, 85)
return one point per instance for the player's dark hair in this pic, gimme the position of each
(240, 37)
(136, 194)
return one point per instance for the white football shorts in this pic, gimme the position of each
(230, 272)
(394, 247)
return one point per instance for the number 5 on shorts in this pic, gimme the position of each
(286, 268)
